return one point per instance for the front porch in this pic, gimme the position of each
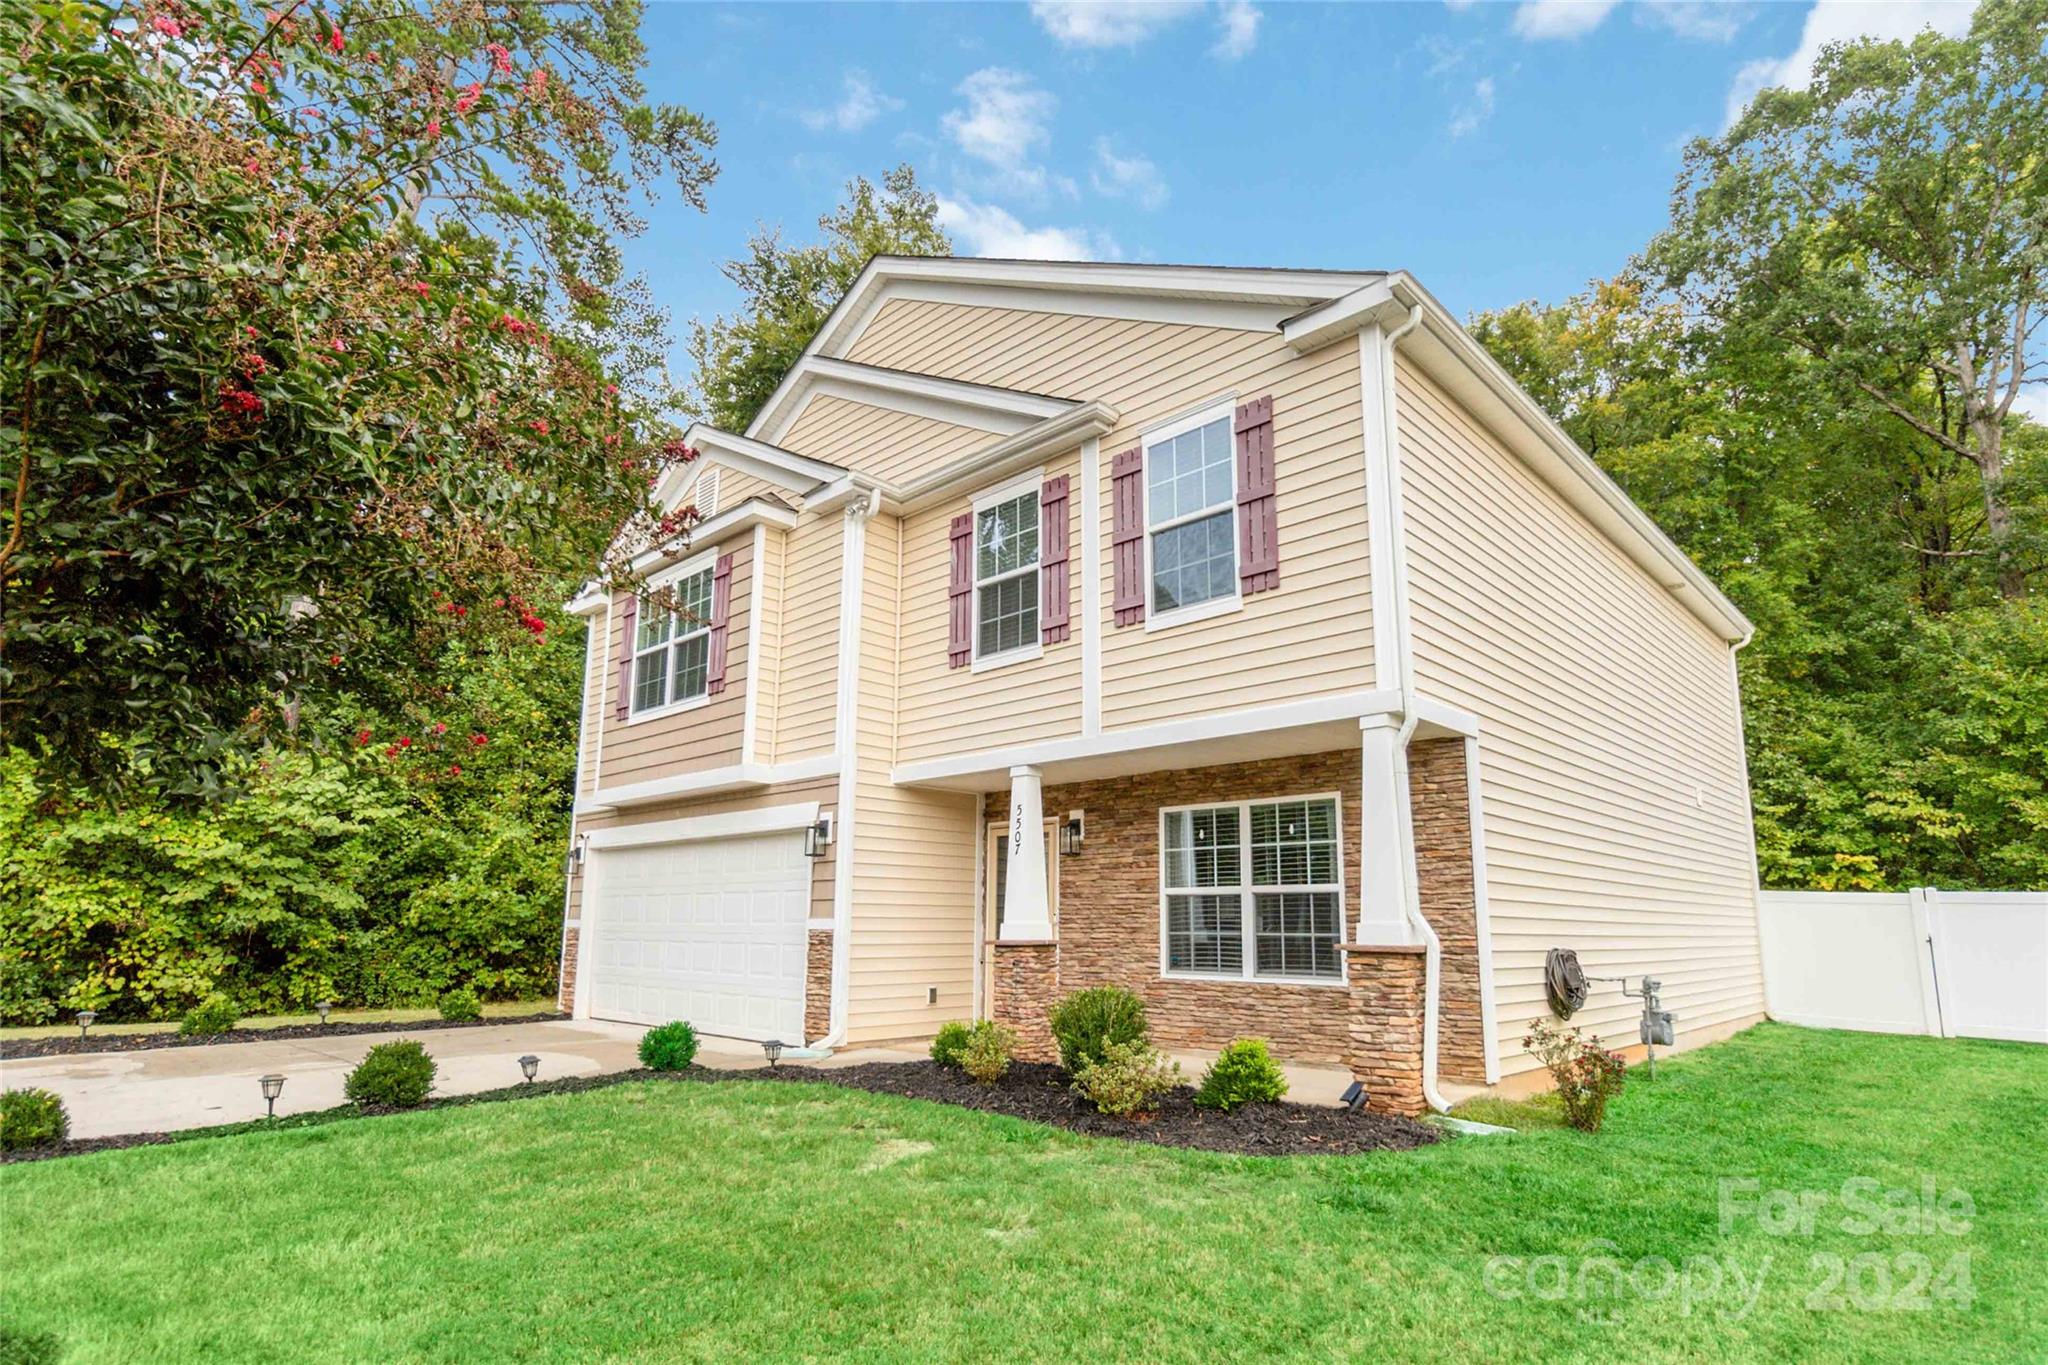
(1246, 899)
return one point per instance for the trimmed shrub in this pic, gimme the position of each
(986, 1057)
(1127, 1078)
(1085, 1023)
(1243, 1073)
(396, 1074)
(461, 1005)
(31, 1118)
(670, 1047)
(215, 1014)
(1587, 1074)
(950, 1043)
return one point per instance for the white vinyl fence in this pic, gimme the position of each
(1953, 964)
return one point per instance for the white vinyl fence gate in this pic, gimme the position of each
(1952, 964)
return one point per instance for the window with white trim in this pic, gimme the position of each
(1253, 889)
(1191, 512)
(672, 649)
(1006, 574)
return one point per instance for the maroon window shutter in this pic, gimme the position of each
(721, 617)
(1127, 536)
(628, 617)
(960, 589)
(1258, 518)
(1052, 561)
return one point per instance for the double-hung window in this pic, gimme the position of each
(1253, 889)
(672, 649)
(1006, 573)
(1191, 513)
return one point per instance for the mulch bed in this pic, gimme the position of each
(1035, 1092)
(1040, 1093)
(14, 1049)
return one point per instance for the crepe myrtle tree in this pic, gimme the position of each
(318, 353)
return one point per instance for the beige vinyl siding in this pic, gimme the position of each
(807, 690)
(913, 851)
(736, 486)
(590, 732)
(1607, 714)
(948, 710)
(700, 737)
(1310, 637)
(895, 447)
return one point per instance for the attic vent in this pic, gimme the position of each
(707, 494)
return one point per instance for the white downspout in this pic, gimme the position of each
(1404, 671)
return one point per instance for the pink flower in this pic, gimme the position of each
(440, 727)
(466, 101)
(454, 770)
(421, 288)
(501, 57)
(405, 741)
(252, 167)
(258, 86)
(334, 660)
(540, 425)
(479, 740)
(168, 26)
(362, 737)
(433, 127)
(335, 41)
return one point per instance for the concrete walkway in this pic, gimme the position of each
(164, 1089)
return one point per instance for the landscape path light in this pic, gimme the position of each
(85, 1018)
(529, 1064)
(273, 1085)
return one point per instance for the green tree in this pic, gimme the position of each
(1891, 223)
(789, 291)
(317, 354)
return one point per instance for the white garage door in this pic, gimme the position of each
(711, 932)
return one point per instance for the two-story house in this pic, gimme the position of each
(1244, 637)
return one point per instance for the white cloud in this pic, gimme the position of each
(1127, 177)
(1560, 18)
(1709, 21)
(2033, 401)
(1474, 111)
(1107, 23)
(862, 105)
(987, 230)
(1838, 21)
(1239, 21)
(1004, 124)
(1459, 6)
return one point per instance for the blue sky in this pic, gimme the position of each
(1500, 151)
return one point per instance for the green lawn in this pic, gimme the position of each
(748, 1220)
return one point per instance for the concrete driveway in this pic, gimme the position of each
(163, 1089)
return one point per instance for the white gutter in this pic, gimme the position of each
(1410, 713)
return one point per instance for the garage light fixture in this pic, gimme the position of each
(572, 861)
(818, 837)
(273, 1085)
(529, 1065)
(85, 1018)
(1071, 834)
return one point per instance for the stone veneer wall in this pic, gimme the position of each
(565, 993)
(1442, 810)
(1026, 986)
(1388, 990)
(817, 984)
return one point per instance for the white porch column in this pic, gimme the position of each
(1382, 856)
(1026, 914)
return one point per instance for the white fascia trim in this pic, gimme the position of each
(710, 782)
(1445, 717)
(1449, 352)
(752, 513)
(1489, 1018)
(1316, 711)
(724, 825)
(590, 599)
(799, 473)
(1082, 422)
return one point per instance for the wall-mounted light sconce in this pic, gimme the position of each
(1071, 833)
(572, 861)
(818, 836)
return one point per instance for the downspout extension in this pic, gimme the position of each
(1411, 877)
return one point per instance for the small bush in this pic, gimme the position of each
(1127, 1078)
(1243, 1073)
(951, 1042)
(671, 1047)
(215, 1014)
(461, 1005)
(1087, 1022)
(986, 1057)
(395, 1074)
(31, 1118)
(1587, 1075)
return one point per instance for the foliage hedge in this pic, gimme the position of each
(380, 876)
(31, 1118)
(399, 1074)
(1085, 1023)
(671, 1047)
